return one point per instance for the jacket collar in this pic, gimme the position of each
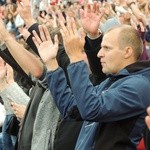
(132, 68)
(137, 66)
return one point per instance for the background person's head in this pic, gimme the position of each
(121, 46)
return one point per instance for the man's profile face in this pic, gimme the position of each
(111, 56)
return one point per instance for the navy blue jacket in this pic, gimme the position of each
(119, 103)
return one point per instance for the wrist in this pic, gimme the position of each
(95, 35)
(52, 65)
(74, 59)
(30, 22)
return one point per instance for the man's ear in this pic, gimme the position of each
(128, 52)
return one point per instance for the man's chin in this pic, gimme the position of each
(104, 71)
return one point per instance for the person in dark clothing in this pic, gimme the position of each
(29, 118)
(117, 105)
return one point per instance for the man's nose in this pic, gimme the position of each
(100, 53)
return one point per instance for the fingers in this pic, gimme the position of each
(14, 106)
(36, 39)
(70, 29)
(82, 33)
(74, 27)
(47, 34)
(148, 111)
(23, 2)
(42, 34)
(82, 14)
(19, 6)
(147, 120)
(88, 8)
(18, 109)
(61, 20)
(97, 8)
(54, 19)
(61, 17)
(101, 11)
(94, 7)
(65, 29)
(56, 40)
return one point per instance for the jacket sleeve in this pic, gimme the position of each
(64, 105)
(29, 39)
(107, 103)
(91, 48)
(101, 102)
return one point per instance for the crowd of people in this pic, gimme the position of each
(75, 75)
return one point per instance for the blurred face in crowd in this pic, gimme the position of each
(125, 18)
(8, 1)
(9, 16)
(141, 1)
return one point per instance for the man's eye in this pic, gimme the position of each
(106, 48)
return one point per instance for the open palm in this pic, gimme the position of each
(46, 48)
(90, 18)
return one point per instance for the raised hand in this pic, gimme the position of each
(24, 10)
(91, 17)
(72, 40)
(18, 109)
(46, 47)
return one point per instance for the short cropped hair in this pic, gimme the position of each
(129, 37)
